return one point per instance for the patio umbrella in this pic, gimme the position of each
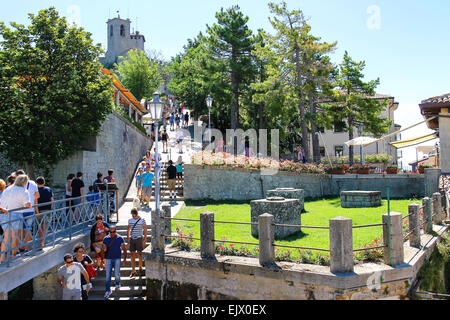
(360, 141)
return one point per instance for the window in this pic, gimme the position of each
(111, 31)
(322, 151)
(122, 30)
(339, 126)
(338, 151)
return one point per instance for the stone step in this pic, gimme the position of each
(100, 280)
(101, 297)
(125, 291)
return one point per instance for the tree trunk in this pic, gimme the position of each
(261, 115)
(350, 137)
(29, 170)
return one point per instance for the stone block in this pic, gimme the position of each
(288, 193)
(360, 199)
(285, 211)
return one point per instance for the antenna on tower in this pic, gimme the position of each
(118, 14)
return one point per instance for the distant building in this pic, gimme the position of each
(335, 138)
(121, 40)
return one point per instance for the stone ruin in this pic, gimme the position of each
(360, 199)
(288, 193)
(285, 211)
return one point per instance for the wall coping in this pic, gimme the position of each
(127, 122)
(305, 273)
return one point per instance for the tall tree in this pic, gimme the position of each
(230, 43)
(53, 95)
(139, 74)
(355, 102)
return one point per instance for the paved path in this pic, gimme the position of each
(189, 148)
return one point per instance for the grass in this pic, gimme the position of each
(316, 213)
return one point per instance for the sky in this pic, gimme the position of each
(404, 43)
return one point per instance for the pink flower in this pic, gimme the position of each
(221, 248)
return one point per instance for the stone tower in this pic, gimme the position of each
(121, 40)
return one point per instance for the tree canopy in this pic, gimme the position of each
(53, 94)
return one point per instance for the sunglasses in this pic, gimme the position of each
(112, 231)
(69, 261)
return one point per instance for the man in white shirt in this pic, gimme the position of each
(69, 277)
(28, 215)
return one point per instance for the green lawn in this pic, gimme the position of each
(316, 213)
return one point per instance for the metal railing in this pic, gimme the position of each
(63, 220)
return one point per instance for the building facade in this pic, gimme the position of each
(121, 40)
(332, 142)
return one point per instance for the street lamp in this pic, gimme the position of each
(155, 108)
(209, 101)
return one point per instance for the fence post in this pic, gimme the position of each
(393, 253)
(437, 218)
(167, 213)
(157, 240)
(341, 245)
(426, 215)
(414, 225)
(207, 245)
(266, 230)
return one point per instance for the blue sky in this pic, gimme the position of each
(404, 43)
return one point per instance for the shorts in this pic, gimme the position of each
(136, 245)
(180, 175)
(147, 191)
(98, 247)
(71, 294)
(179, 141)
(28, 220)
(171, 184)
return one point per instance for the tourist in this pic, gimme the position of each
(179, 167)
(29, 214)
(69, 278)
(172, 121)
(112, 244)
(165, 141)
(112, 195)
(97, 182)
(77, 194)
(93, 199)
(299, 155)
(146, 182)
(44, 211)
(110, 178)
(186, 119)
(180, 138)
(10, 180)
(157, 158)
(182, 119)
(171, 179)
(138, 183)
(68, 189)
(177, 120)
(98, 232)
(136, 238)
(13, 197)
(86, 262)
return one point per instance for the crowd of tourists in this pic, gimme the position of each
(109, 250)
(26, 206)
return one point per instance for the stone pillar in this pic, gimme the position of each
(266, 230)
(341, 245)
(3, 296)
(426, 213)
(432, 176)
(157, 232)
(167, 223)
(444, 136)
(207, 244)
(414, 225)
(130, 109)
(45, 286)
(437, 212)
(396, 248)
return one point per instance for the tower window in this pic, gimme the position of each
(122, 30)
(111, 31)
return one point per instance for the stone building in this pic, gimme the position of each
(121, 40)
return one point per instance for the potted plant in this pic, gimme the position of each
(337, 169)
(353, 169)
(364, 169)
(391, 169)
(422, 168)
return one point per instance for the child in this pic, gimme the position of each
(138, 183)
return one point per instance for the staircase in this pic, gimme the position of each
(130, 288)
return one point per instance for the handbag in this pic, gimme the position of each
(91, 271)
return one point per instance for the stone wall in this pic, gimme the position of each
(220, 183)
(119, 146)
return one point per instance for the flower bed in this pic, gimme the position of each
(222, 159)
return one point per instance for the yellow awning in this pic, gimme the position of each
(410, 142)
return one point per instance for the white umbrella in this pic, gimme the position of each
(360, 141)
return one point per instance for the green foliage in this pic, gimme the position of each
(53, 94)
(371, 158)
(139, 74)
(430, 273)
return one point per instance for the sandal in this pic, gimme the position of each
(133, 274)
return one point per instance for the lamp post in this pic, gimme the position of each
(156, 107)
(360, 132)
(209, 101)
